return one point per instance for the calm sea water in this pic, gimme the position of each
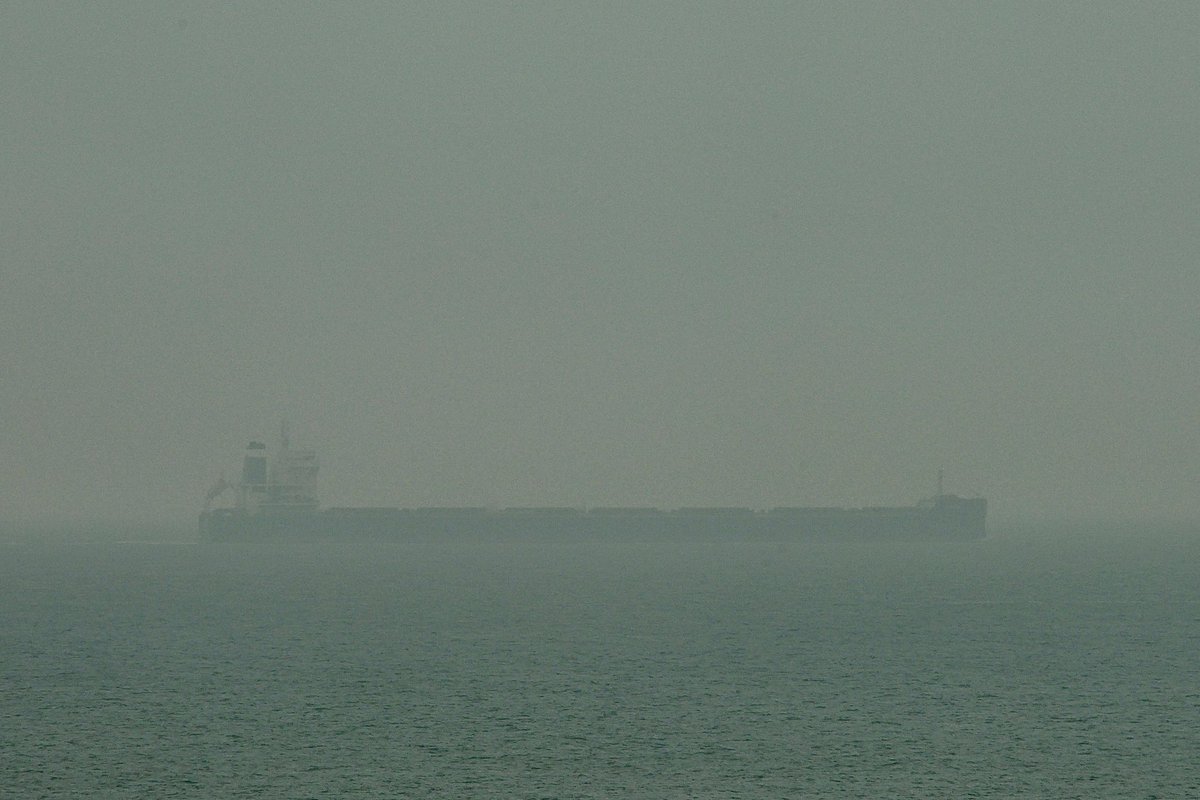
(1040, 664)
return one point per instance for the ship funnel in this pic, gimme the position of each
(253, 487)
(254, 465)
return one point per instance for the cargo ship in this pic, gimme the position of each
(276, 500)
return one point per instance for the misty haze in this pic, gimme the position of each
(695, 254)
(650, 372)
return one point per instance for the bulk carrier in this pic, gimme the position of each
(276, 499)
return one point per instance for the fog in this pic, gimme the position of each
(606, 254)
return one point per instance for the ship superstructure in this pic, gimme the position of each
(285, 483)
(277, 499)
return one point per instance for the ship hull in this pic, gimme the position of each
(948, 518)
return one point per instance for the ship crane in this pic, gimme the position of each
(217, 488)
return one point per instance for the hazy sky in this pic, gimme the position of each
(619, 253)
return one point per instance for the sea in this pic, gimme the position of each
(1046, 661)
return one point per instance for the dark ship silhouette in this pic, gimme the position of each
(276, 499)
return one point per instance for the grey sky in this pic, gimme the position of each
(567, 253)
